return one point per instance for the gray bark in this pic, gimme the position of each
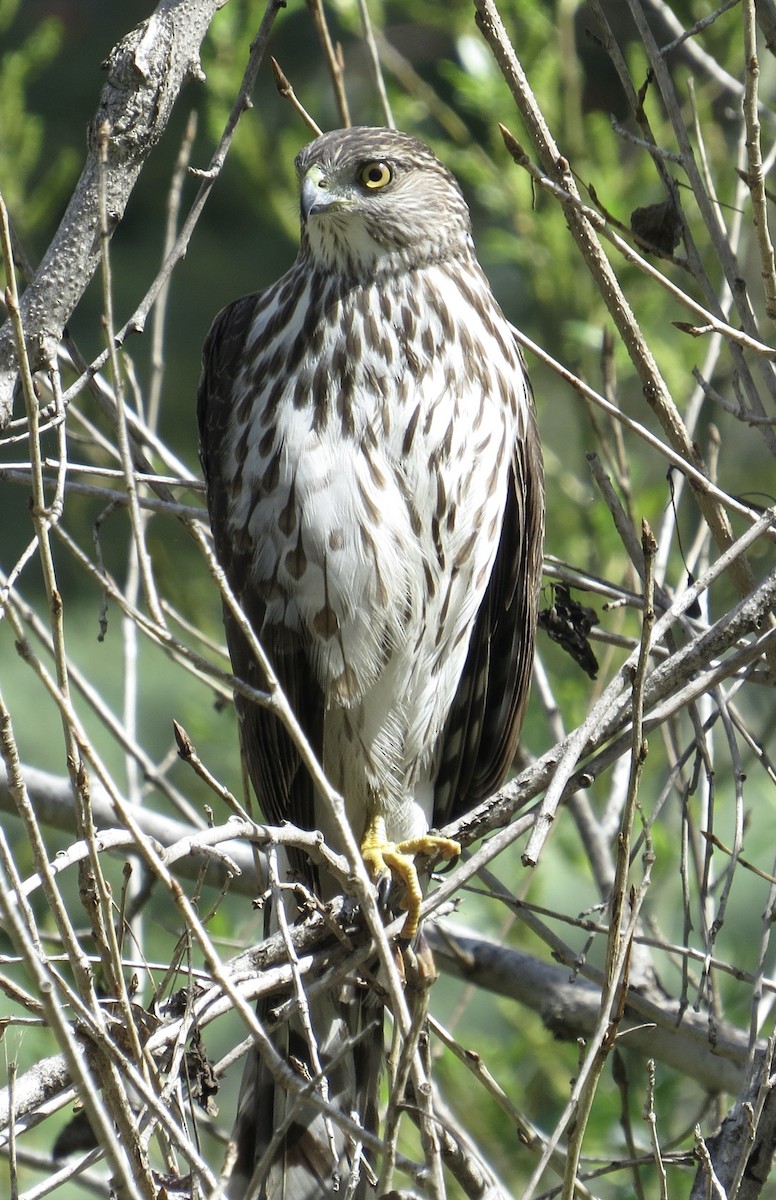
(742, 1150)
(146, 72)
(655, 1025)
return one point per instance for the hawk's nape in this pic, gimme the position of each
(375, 490)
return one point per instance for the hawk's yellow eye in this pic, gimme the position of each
(375, 175)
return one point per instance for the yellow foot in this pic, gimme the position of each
(398, 859)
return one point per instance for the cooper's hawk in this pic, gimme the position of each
(374, 483)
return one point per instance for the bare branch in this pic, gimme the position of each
(146, 72)
(651, 1025)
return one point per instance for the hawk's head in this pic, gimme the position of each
(374, 201)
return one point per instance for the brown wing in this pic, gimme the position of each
(282, 785)
(483, 728)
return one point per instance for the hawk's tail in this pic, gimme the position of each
(291, 1149)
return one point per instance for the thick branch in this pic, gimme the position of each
(52, 798)
(146, 72)
(741, 1152)
(654, 1027)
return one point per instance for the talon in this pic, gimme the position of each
(383, 882)
(382, 856)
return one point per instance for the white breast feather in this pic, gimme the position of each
(392, 668)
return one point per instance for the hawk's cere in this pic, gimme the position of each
(374, 483)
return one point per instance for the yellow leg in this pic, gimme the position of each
(398, 858)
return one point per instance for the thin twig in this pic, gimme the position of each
(571, 199)
(755, 178)
(285, 89)
(122, 432)
(651, 1118)
(374, 58)
(333, 58)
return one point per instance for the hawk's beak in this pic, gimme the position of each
(316, 197)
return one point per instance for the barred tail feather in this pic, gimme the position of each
(289, 1149)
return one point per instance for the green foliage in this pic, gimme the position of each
(32, 187)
